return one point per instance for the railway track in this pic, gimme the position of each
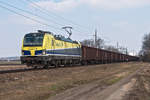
(19, 70)
(9, 64)
(15, 68)
(26, 69)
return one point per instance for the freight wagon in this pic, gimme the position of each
(92, 55)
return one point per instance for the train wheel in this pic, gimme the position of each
(45, 67)
(56, 64)
(35, 67)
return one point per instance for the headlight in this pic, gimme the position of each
(22, 52)
(44, 52)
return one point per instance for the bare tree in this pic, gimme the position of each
(112, 48)
(100, 43)
(91, 43)
(123, 50)
(145, 52)
(88, 42)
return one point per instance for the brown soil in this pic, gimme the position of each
(43, 84)
(141, 89)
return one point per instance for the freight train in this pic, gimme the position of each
(46, 49)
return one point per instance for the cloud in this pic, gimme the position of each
(64, 5)
(67, 5)
(117, 4)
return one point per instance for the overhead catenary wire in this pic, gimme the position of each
(50, 13)
(27, 17)
(33, 19)
(29, 13)
(34, 15)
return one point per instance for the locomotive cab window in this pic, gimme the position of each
(33, 39)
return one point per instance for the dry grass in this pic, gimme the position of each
(113, 80)
(40, 85)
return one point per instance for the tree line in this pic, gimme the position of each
(145, 50)
(100, 43)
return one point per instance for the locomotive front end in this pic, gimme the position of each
(32, 49)
(33, 44)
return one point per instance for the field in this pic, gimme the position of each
(77, 83)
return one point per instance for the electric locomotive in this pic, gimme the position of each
(46, 49)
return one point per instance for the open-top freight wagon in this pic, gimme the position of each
(46, 49)
(92, 55)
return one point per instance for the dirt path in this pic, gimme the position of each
(118, 90)
(96, 91)
(141, 88)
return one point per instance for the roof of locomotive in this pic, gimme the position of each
(58, 37)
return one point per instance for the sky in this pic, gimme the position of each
(122, 21)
